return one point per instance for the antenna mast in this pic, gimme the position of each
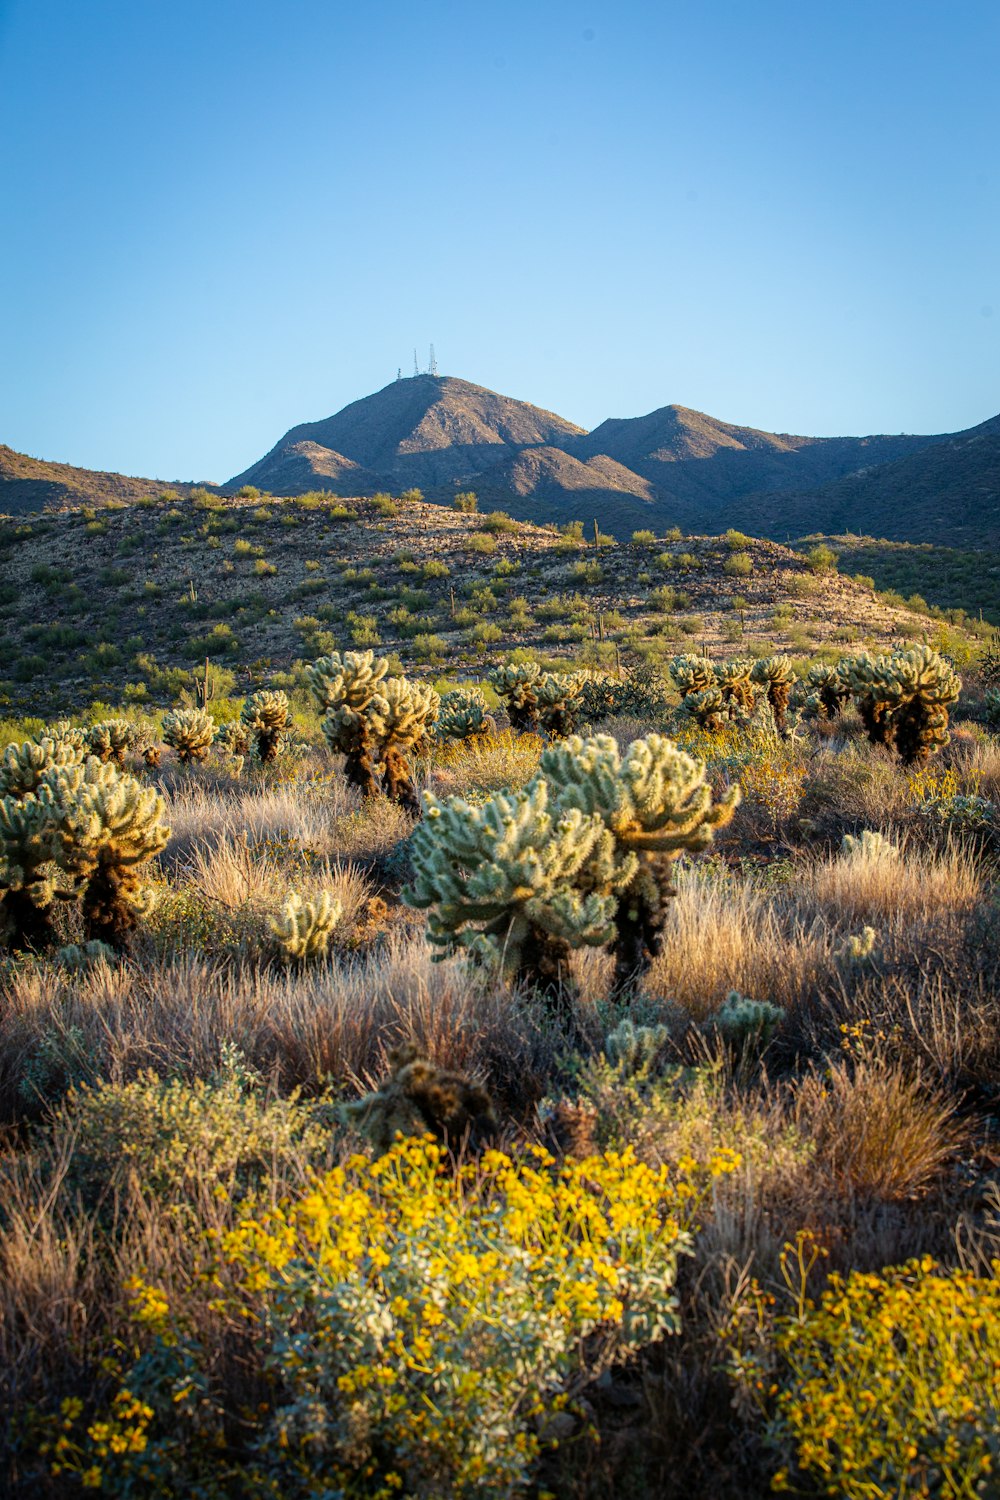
(432, 364)
(416, 367)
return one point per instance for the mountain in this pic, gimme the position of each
(948, 492)
(425, 432)
(673, 466)
(30, 484)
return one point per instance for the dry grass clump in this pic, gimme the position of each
(723, 935)
(889, 884)
(878, 1130)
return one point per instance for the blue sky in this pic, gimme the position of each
(223, 217)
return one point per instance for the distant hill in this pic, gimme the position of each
(671, 467)
(128, 604)
(31, 484)
(948, 492)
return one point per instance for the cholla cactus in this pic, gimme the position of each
(746, 1025)
(111, 740)
(774, 673)
(463, 716)
(707, 708)
(857, 948)
(66, 731)
(514, 880)
(106, 825)
(23, 766)
(349, 690)
(877, 692)
(302, 929)
(190, 733)
(78, 957)
(824, 692)
(692, 674)
(868, 844)
(265, 714)
(148, 747)
(29, 877)
(732, 678)
(635, 1050)
(234, 738)
(657, 805)
(418, 1097)
(403, 726)
(559, 699)
(516, 686)
(929, 685)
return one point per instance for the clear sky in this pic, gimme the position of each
(222, 217)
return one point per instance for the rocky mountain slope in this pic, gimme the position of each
(31, 484)
(125, 605)
(671, 467)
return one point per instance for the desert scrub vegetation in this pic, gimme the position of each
(675, 1142)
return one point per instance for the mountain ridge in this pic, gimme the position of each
(673, 466)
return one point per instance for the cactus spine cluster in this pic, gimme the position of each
(578, 857)
(463, 716)
(265, 715)
(302, 929)
(903, 699)
(190, 733)
(23, 766)
(692, 674)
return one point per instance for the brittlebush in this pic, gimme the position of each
(414, 1327)
(893, 1387)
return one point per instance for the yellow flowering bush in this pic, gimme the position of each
(412, 1328)
(893, 1386)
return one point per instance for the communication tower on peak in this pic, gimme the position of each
(399, 372)
(416, 367)
(432, 364)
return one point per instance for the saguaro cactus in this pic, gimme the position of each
(265, 714)
(190, 733)
(774, 673)
(656, 804)
(349, 690)
(501, 881)
(516, 686)
(107, 825)
(402, 727)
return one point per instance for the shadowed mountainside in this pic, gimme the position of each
(671, 467)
